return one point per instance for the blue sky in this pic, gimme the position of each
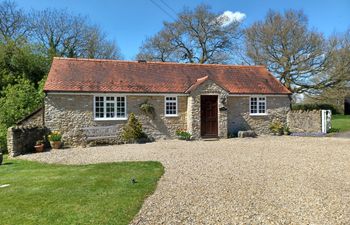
(129, 22)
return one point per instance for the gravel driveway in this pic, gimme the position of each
(266, 180)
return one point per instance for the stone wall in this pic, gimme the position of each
(22, 139)
(70, 113)
(305, 121)
(33, 119)
(239, 118)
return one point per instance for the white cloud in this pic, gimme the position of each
(229, 17)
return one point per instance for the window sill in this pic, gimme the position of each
(175, 115)
(109, 119)
(258, 114)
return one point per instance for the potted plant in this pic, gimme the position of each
(55, 139)
(39, 146)
(147, 108)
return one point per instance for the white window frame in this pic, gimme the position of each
(104, 118)
(257, 105)
(177, 105)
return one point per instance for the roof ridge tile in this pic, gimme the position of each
(155, 62)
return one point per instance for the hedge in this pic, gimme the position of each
(315, 106)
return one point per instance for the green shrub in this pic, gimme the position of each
(183, 135)
(3, 141)
(315, 106)
(334, 130)
(286, 130)
(17, 101)
(276, 127)
(132, 131)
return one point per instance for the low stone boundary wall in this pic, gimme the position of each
(304, 121)
(21, 139)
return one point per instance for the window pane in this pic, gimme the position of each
(99, 110)
(258, 105)
(110, 107)
(170, 105)
(120, 107)
(109, 98)
(253, 105)
(261, 107)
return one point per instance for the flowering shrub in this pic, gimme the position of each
(55, 136)
(276, 127)
(183, 135)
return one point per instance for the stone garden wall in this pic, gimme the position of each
(305, 121)
(21, 139)
(36, 118)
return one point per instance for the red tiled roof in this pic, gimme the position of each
(94, 75)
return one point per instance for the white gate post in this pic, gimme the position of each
(326, 116)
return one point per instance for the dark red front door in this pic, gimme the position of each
(209, 116)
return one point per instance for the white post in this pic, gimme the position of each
(323, 120)
(326, 116)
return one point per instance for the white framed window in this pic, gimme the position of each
(109, 107)
(258, 105)
(170, 106)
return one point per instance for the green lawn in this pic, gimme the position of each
(64, 194)
(341, 122)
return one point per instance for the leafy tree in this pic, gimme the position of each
(3, 135)
(198, 36)
(296, 55)
(20, 60)
(18, 101)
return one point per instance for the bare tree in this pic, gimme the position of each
(296, 55)
(339, 71)
(98, 46)
(339, 66)
(56, 30)
(13, 22)
(64, 34)
(158, 48)
(198, 36)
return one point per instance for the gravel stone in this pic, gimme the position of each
(266, 180)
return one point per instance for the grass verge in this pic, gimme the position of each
(341, 122)
(74, 194)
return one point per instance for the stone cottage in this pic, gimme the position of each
(205, 100)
